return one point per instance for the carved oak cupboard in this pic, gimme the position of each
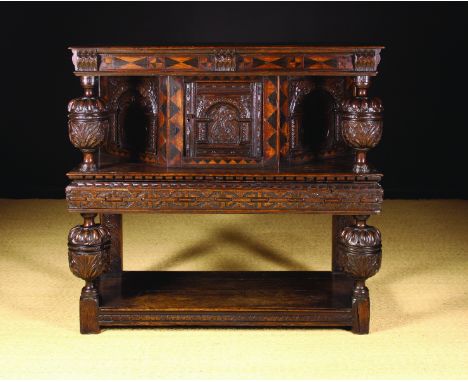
(239, 129)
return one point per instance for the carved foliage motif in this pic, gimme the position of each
(88, 266)
(362, 122)
(88, 123)
(362, 134)
(87, 134)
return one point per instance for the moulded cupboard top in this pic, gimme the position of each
(227, 60)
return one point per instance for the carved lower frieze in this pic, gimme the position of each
(224, 197)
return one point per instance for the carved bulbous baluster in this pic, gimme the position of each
(88, 123)
(360, 256)
(88, 256)
(361, 122)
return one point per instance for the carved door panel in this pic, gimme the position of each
(223, 122)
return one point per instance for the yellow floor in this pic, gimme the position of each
(419, 300)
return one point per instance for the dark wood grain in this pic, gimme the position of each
(225, 299)
(225, 129)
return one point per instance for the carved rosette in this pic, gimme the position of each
(360, 249)
(88, 251)
(361, 124)
(88, 123)
(224, 60)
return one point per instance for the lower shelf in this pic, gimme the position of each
(229, 299)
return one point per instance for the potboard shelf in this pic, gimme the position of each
(225, 299)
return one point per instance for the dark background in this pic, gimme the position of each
(422, 80)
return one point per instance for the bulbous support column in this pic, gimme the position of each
(88, 256)
(360, 256)
(88, 122)
(361, 122)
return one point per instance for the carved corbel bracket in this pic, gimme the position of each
(366, 60)
(224, 60)
(361, 122)
(85, 60)
(88, 123)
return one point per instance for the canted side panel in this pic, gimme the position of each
(270, 120)
(284, 117)
(235, 197)
(163, 121)
(175, 120)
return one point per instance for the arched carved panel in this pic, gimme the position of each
(124, 94)
(309, 93)
(222, 121)
(119, 96)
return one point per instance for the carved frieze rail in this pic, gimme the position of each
(226, 59)
(227, 197)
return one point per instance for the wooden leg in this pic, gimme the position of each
(360, 256)
(113, 224)
(338, 223)
(88, 257)
(361, 308)
(89, 305)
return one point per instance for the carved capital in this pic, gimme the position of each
(88, 122)
(366, 61)
(361, 127)
(360, 249)
(224, 60)
(85, 60)
(88, 251)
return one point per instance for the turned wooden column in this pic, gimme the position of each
(360, 256)
(88, 256)
(361, 122)
(88, 123)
